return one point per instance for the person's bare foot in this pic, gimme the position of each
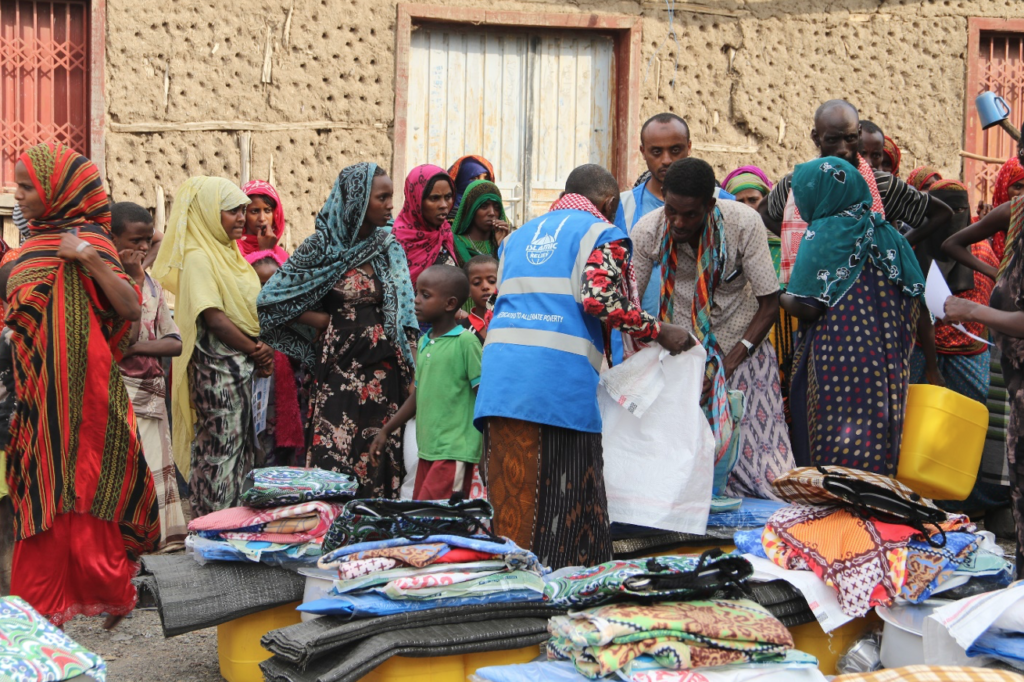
(111, 622)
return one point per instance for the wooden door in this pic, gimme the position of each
(535, 105)
(570, 122)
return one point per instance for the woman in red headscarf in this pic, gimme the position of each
(84, 501)
(1009, 185)
(422, 228)
(891, 156)
(264, 220)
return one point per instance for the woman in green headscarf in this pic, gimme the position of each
(852, 367)
(480, 224)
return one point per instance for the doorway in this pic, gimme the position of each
(535, 94)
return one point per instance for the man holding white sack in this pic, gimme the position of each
(563, 284)
(718, 281)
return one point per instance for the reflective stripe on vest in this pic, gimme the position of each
(557, 285)
(546, 339)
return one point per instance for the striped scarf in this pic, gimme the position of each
(1012, 234)
(74, 439)
(711, 256)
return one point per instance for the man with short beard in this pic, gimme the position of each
(837, 132)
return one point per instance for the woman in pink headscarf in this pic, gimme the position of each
(264, 220)
(422, 227)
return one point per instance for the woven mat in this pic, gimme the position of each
(356, 660)
(303, 643)
(192, 597)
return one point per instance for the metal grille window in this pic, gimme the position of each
(996, 65)
(44, 79)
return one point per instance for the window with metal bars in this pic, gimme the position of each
(44, 79)
(996, 65)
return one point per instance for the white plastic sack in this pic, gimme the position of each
(411, 455)
(658, 446)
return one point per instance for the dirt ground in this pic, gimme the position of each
(136, 650)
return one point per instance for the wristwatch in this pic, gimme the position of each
(750, 347)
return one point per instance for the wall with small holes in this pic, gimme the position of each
(297, 89)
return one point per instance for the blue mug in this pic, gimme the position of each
(992, 109)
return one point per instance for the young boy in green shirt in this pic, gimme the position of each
(444, 395)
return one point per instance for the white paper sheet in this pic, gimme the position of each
(260, 403)
(936, 291)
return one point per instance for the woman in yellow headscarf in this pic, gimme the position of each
(215, 307)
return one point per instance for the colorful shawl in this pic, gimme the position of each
(203, 268)
(463, 172)
(324, 258)
(892, 150)
(747, 177)
(794, 226)
(477, 194)
(920, 176)
(711, 257)
(845, 234)
(250, 243)
(74, 441)
(422, 243)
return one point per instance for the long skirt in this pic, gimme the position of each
(850, 378)
(764, 449)
(547, 487)
(224, 446)
(156, 446)
(78, 566)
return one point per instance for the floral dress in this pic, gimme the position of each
(359, 382)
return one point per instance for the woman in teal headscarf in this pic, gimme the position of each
(852, 367)
(480, 224)
(343, 305)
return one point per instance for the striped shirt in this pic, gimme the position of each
(900, 200)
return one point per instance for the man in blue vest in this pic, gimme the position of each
(560, 292)
(664, 139)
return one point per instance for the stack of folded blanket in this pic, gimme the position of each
(397, 575)
(287, 513)
(680, 611)
(871, 539)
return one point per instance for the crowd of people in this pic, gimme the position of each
(806, 295)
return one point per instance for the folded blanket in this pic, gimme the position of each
(279, 486)
(467, 585)
(370, 604)
(515, 557)
(32, 649)
(928, 567)
(862, 558)
(303, 643)
(286, 525)
(622, 579)
(356, 661)
(679, 635)
(383, 577)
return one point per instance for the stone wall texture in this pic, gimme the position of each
(750, 78)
